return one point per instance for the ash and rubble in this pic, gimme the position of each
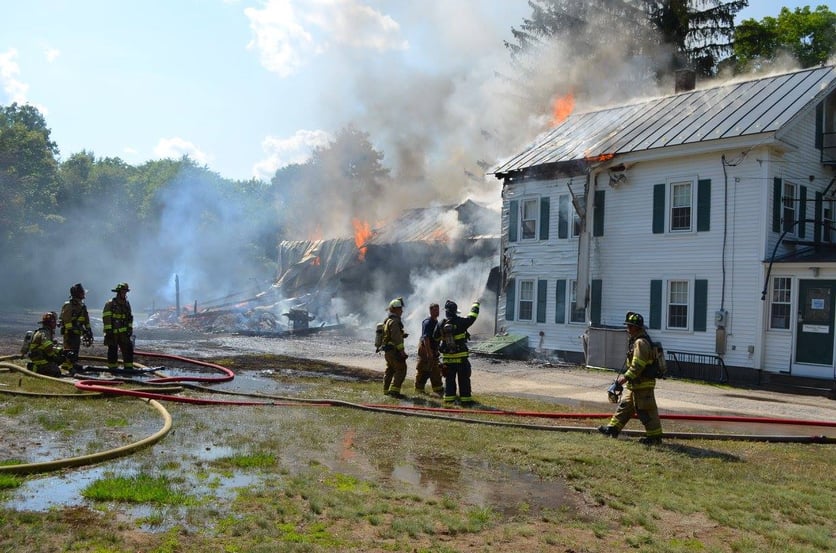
(347, 281)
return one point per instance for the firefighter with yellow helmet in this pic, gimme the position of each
(118, 323)
(75, 326)
(44, 353)
(393, 350)
(640, 398)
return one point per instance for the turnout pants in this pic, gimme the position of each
(641, 403)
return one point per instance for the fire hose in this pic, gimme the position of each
(153, 392)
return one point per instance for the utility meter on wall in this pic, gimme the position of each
(721, 318)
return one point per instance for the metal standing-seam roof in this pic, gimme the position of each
(739, 109)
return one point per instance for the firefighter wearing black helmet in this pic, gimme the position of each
(44, 353)
(75, 325)
(118, 324)
(640, 398)
(452, 335)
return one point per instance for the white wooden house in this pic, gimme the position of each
(708, 211)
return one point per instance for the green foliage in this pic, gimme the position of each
(142, 488)
(809, 36)
(699, 34)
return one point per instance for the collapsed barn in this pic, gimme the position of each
(362, 272)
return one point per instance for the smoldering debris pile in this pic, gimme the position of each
(321, 282)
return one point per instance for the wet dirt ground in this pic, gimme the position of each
(349, 354)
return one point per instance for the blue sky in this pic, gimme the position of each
(247, 86)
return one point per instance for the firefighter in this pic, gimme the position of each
(452, 335)
(428, 367)
(75, 326)
(640, 398)
(44, 353)
(119, 328)
(393, 350)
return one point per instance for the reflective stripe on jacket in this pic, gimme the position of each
(639, 357)
(117, 317)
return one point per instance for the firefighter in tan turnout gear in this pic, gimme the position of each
(44, 353)
(119, 328)
(393, 350)
(75, 326)
(640, 398)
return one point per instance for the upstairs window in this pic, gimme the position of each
(530, 216)
(788, 210)
(680, 216)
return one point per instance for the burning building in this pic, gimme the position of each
(361, 272)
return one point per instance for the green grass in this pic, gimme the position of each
(142, 488)
(321, 479)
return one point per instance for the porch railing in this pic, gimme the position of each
(696, 366)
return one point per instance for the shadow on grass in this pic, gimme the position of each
(698, 452)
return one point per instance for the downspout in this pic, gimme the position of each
(584, 240)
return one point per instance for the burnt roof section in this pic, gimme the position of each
(438, 223)
(733, 110)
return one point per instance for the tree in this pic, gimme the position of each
(28, 171)
(701, 32)
(808, 36)
(342, 181)
(698, 33)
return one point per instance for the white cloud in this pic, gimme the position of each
(288, 33)
(176, 147)
(285, 151)
(9, 70)
(51, 54)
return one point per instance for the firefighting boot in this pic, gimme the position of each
(610, 431)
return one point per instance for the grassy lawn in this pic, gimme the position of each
(311, 479)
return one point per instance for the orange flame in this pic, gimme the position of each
(316, 261)
(362, 233)
(600, 157)
(561, 108)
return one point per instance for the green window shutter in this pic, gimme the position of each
(542, 287)
(595, 294)
(658, 208)
(510, 299)
(802, 212)
(820, 125)
(544, 218)
(598, 215)
(776, 205)
(704, 205)
(817, 228)
(700, 305)
(513, 223)
(563, 217)
(655, 304)
(560, 302)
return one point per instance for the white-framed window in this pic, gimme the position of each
(576, 222)
(780, 303)
(577, 314)
(827, 221)
(678, 303)
(526, 301)
(529, 218)
(788, 213)
(681, 206)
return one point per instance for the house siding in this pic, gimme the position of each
(725, 254)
